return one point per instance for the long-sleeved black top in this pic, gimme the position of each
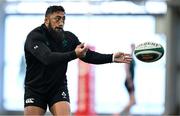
(47, 59)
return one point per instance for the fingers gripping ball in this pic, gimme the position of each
(149, 52)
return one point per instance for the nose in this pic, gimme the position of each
(60, 24)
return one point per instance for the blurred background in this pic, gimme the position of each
(107, 26)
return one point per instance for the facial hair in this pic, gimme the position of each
(57, 35)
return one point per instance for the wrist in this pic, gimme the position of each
(113, 57)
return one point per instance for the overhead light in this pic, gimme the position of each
(106, 7)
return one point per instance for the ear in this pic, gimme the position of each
(46, 20)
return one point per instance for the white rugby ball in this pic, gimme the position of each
(149, 51)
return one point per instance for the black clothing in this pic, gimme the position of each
(34, 99)
(47, 60)
(131, 69)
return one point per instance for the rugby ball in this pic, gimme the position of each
(149, 51)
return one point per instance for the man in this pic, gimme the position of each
(129, 83)
(48, 49)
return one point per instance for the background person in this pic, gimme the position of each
(129, 82)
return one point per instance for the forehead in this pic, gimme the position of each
(58, 13)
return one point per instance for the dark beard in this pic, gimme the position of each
(57, 35)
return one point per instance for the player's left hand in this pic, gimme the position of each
(121, 57)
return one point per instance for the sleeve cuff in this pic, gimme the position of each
(113, 57)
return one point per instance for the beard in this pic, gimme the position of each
(57, 34)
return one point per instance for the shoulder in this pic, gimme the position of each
(36, 33)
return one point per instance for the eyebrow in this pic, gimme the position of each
(60, 16)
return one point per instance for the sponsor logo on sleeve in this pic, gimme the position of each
(30, 100)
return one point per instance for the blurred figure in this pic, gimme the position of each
(129, 83)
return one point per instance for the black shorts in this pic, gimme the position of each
(31, 98)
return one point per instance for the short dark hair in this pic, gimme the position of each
(54, 8)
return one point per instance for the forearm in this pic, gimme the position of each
(97, 58)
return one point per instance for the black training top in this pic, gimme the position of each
(47, 59)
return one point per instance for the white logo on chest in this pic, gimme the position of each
(63, 94)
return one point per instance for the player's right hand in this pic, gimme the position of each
(81, 50)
